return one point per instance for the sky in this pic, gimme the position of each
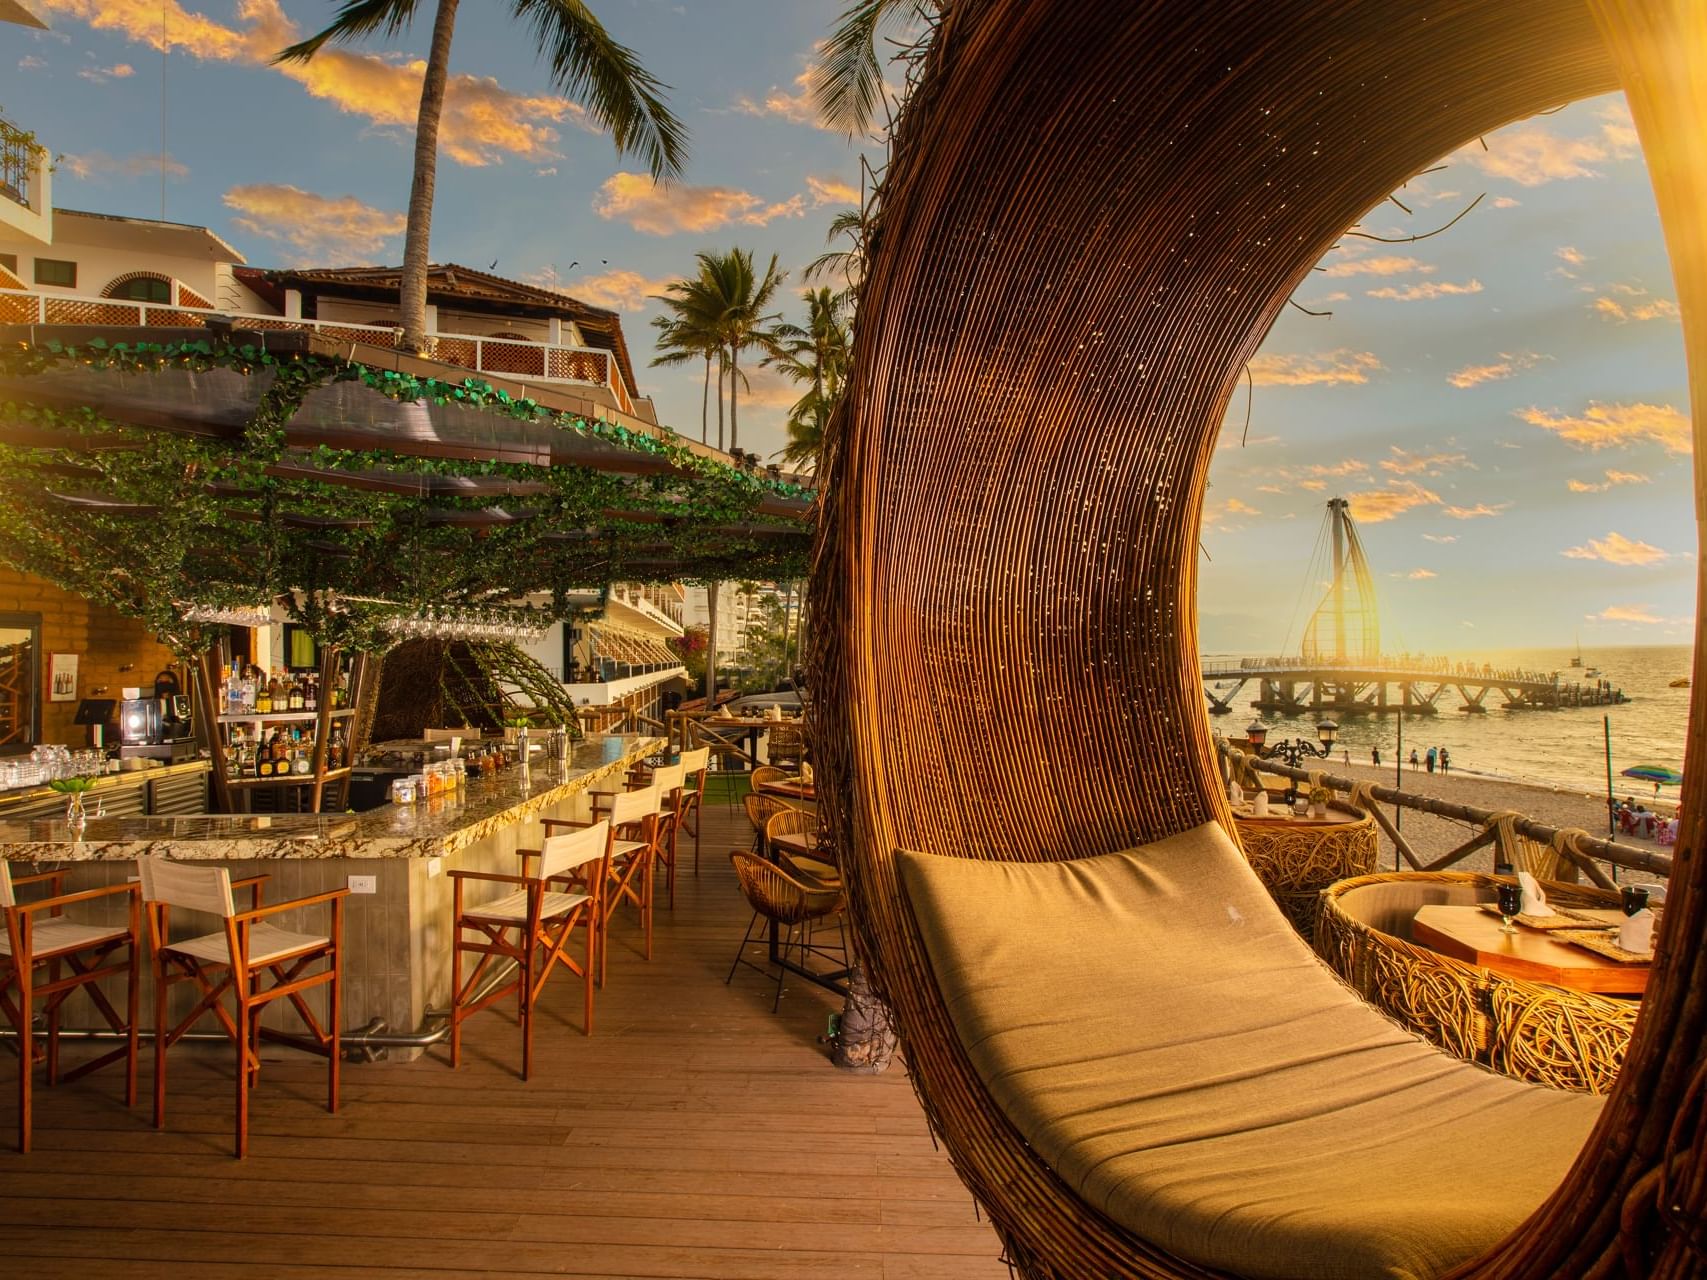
(1504, 404)
(310, 165)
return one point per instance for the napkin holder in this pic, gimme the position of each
(1636, 934)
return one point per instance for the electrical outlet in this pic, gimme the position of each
(434, 867)
(364, 884)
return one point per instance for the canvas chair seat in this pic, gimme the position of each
(267, 945)
(626, 848)
(55, 935)
(1154, 1029)
(513, 907)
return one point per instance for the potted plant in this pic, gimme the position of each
(1319, 797)
(75, 817)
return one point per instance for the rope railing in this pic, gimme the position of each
(1573, 844)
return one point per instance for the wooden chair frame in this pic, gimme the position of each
(241, 978)
(636, 818)
(540, 942)
(89, 965)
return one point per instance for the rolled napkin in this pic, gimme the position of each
(773, 713)
(1259, 806)
(1636, 935)
(806, 773)
(1534, 900)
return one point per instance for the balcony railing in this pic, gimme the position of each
(654, 602)
(503, 357)
(20, 159)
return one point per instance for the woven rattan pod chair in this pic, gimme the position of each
(1092, 217)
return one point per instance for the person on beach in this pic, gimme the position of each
(1431, 759)
(1413, 757)
(1445, 760)
(1375, 756)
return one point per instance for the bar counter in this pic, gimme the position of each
(397, 934)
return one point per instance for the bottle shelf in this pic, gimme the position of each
(289, 779)
(283, 717)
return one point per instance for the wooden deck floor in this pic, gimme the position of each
(694, 1135)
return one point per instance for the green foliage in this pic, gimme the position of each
(199, 519)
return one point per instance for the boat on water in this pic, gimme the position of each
(1682, 682)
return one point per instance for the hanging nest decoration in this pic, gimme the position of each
(484, 685)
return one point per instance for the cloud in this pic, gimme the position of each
(1506, 202)
(1386, 265)
(1615, 548)
(1626, 613)
(1418, 575)
(1570, 255)
(29, 62)
(796, 107)
(549, 171)
(1270, 488)
(1426, 290)
(1346, 467)
(662, 210)
(1376, 506)
(767, 389)
(831, 191)
(118, 71)
(482, 120)
(1478, 512)
(1607, 426)
(98, 165)
(1440, 537)
(1236, 507)
(334, 226)
(617, 290)
(1509, 364)
(1314, 486)
(1403, 463)
(1613, 479)
(1324, 368)
(1532, 155)
(1640, 305)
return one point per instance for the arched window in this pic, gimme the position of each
(140, 286)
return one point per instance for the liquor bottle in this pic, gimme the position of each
(264, 759)
(276, 687)
(311, 694)
(336, 748)
(263, 698)
(302, 761)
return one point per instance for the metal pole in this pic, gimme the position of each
(1337, 507)
(1399, 784)
(1611, 822)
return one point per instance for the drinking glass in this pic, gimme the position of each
(1635, 898)
(1511, 904)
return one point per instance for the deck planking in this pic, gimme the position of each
(694, 1135)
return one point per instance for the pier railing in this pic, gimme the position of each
(1584, 851)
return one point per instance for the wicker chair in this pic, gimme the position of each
(765, 773)
(1527, 1030)
(785, 744)
(760, 810)
(790, 905)
(800, 822)
(1013, 494)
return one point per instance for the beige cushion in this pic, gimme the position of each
(513, 908)
(1156, 1031)
(52, 935)
(266, 944)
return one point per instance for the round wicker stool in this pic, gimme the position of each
(1527, 1030)
(1296, 860)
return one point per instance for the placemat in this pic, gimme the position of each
(1603, 944)
(1558, 920)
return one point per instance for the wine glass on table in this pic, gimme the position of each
(1511, 904)
(1635, 898)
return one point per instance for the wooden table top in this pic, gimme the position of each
(804, 844)
(1473, 936)
(1280, 816)
(796, 790)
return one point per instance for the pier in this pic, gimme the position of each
(1342, 671)
(1304, 686)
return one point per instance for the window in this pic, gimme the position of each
(20, 680)
(10, 262)
(54, 272)
(143, 289)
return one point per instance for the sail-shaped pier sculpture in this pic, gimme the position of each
(1340, 668)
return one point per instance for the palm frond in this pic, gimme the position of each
(847, 83)
(356, 20)
(606, 78)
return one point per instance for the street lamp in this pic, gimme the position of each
(1294, 751)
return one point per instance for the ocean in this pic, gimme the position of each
(1565, 748)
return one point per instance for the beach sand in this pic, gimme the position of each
(1433, 836)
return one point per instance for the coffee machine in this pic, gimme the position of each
(156, 727)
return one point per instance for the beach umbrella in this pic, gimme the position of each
(1657, 774)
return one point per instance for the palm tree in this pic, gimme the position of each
(848, 82)
(587, 66)
(738, 298)
(816, 355)
(686, 335)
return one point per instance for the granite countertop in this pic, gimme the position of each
(426, 829)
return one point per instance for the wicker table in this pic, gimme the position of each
(1297, 857)
(1473, 935)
